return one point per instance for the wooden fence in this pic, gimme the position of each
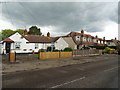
(86, 52)
(50, 55)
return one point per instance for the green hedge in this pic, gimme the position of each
(68, 49)
(103, 47)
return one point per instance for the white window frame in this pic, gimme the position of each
(17, 44)
(36, 45)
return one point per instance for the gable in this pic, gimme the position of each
(18, 37)
(61, 41)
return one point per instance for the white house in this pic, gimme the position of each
(24, 44)
(110, 43)
(64, 42)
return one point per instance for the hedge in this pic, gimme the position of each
(103, 47)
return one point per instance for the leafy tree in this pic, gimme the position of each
(6, 33)
(21, 31)
(34, 30)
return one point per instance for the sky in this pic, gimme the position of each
(60, 18)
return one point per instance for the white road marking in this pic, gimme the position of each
(68, 82)
(110, 69)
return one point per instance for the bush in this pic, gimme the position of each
(103, 47)
(50, 48)
(68, 49)
(56, 50)
(107, 49)
(42, 50)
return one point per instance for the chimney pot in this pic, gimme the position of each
(103, 38)
(82, 31)
(48, 34)
(25, 32)
(96, 36)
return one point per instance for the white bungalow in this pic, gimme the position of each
(64, 42)
(24, 44)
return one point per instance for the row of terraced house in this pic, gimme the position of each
(27, 43)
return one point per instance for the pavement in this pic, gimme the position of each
(25, 65)
(99, 72)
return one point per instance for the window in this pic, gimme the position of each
(36, 45)
(24, 49)
(17, 45)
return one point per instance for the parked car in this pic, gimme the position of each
(85, 48)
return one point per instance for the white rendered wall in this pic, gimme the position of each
(24, 46)
(60, 44)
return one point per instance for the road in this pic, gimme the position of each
(98, 74)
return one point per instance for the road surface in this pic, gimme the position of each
(98, 74)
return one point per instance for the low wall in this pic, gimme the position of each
(50, 55)
(86, 52)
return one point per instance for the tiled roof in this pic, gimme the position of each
(53, 39)
(8, 40)
(85, 35)
(38, 39)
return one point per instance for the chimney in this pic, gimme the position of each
(82, 31)
(103, 38)
(48, 34)
(25, 32)
(96, 36)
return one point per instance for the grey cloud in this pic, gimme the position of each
(66, 17)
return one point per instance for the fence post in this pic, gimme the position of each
(39, 54)
(59, 54)
(12, 57)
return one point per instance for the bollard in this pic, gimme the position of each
(12, 57)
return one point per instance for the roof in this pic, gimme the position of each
(38, 39)
(53, 39)
(70, 41)
(8, 40)
(77, 33)
(85, 35)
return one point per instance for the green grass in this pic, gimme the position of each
(36, 54)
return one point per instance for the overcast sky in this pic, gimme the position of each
(60, 18)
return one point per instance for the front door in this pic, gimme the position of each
(8, 46)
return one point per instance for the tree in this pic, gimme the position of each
(20, 31)
(6, 33)
(34, 30)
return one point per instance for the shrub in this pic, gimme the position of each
(42, 50)
(50, 48)
(68, 49)
(56, 50)
(107, 49)
(103, 47)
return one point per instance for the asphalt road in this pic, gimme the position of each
(98, 74)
